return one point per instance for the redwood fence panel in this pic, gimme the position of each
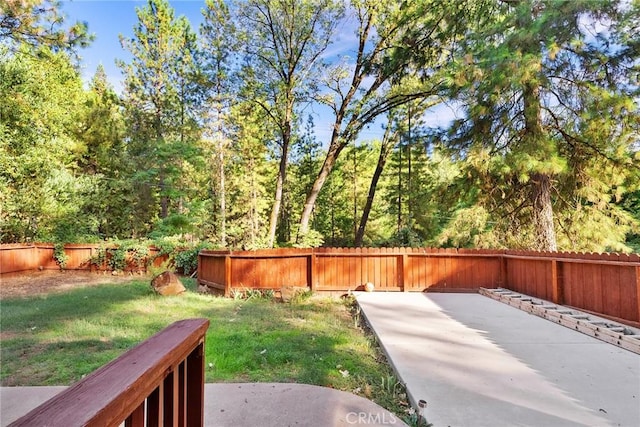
(16, 258)
(606, 284)
(40, 256)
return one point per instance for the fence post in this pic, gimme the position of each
(311, 271)
(638, 290)
(401, 266)
(503, 270)
(199, 269)
(227, 275)
(555, 290)
(405, 273)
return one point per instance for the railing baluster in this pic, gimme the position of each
(195, 387)
(155, 407)
(182, 394)
(170, 400)
(136, 419)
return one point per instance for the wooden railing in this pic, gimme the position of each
(160, 382)
(606, 284)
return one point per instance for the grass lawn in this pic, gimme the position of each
(58, 338)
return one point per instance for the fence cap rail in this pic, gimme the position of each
(110, 394)
(609, 256)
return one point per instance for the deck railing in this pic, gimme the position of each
(160, 382)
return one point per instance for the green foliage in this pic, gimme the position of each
(160, 99)
(187, 259)
(39, 190)
(547, 135)
(60, 256)
(154, 270)
(172, 225)
(301, 296)
(182, 254)
(312, 239)
(38, 23)
(117, 255)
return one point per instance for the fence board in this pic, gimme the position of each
(628, 306)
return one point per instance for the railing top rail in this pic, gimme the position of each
(14, 246)
(110, 394)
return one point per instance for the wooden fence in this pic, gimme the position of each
(606, 284)
(16, 258)
(160, 382)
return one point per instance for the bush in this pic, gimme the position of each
(117, 254)
(182, 254)
(187, 259)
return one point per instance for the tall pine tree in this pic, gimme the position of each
(161, 98)
(547, 90)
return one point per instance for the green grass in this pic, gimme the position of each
(56, 339)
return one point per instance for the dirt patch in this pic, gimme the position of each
(48, 281)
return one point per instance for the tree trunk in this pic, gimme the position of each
(223, 197)
(385, 149)
(329, 161)
(164, 199)
(535, 142)
(282, 170)
(253, 212)
(543, 212)
(399, 220)
(540, 181)
(277, 202)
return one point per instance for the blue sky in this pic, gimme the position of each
(109, 18)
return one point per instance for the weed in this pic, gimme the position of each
(391, 386)
(154, 270)
(301, 296)
(268, 294)
(237, 294)
(60, 255)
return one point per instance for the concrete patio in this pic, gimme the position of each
(479, 362)
(245, 404)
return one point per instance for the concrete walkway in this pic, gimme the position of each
(478, 362)
(248, 404)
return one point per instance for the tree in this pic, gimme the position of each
(285, 41)
(389, 36)
(161, 97)
(41, 194)
(250, 173)
(306, 156)
(389, 140)
(548, 92)
(104, 157)
(39, 23)
(219, 43)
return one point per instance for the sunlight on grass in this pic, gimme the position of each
(59, 338)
